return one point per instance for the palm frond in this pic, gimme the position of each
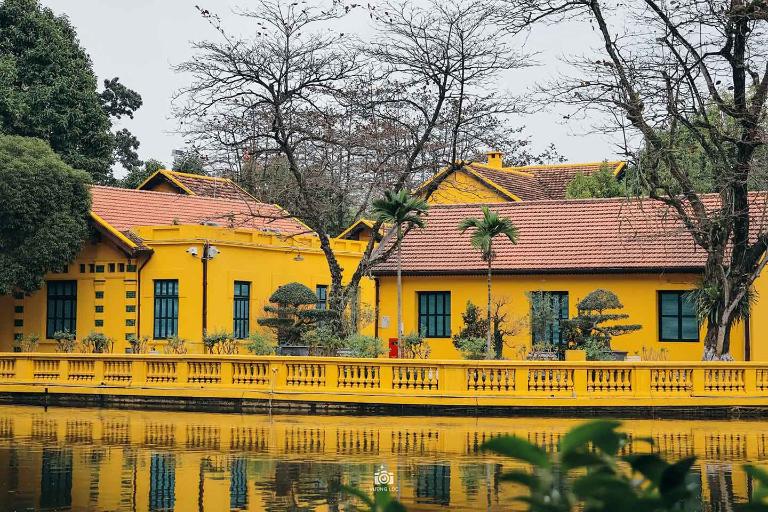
(487, 228)
(400, 208)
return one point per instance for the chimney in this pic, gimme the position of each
(495, 159)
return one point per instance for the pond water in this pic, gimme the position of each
(98, 459)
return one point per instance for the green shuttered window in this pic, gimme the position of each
(677, 317)
(166, 308)
(61, 312)
(242, 313)
(435, 314)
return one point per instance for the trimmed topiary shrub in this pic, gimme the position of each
(292, 313)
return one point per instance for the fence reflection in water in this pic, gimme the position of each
(137, 460)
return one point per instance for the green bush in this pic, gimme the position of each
(138, 345)
(472, 348)
(359, 345)
(65, 341)
(175, 345)
(475, 325)
(261, 345)
(415, 347)
(221, 342)
(322, 341)
(29, 343)
(96, 343)
(44, 203)
(597, 350)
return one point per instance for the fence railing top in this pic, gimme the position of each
(380, 361)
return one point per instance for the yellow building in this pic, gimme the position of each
(565, 249)
(491, 182)
(142, 272)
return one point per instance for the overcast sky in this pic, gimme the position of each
(141, 40)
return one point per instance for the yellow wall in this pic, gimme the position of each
(463, 188)
(264, 260)
(164, 186)
(245, 255)
(113, 284)
(758, 320)
(638, 293)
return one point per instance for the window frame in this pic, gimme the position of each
(660, 318)
(550, 334)
(322, 302)
(53, 322)
(241, 316)
(161, 324)
(445, 316)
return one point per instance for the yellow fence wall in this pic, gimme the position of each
(638, 293)
(391, 381)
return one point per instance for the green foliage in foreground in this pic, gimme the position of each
(588, 473)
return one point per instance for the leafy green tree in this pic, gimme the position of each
(688, 146)
(44, 209)
(137, 175)
(403, 211)
(470, 340)
(48, 90)
(190, 161)
(594, 326)
(602, 183)
(485, 230)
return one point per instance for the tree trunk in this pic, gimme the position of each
(717, 340)
(399, 294)
(488, 312)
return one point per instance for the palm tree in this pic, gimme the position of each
(486, 229)
(401, 209)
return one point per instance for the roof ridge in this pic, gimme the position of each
(197, 176)
(507, 170)
(521, 204)
(563, 164)
(247, 198)
(575, 200)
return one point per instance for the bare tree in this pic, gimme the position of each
(695, 71)
(344, 119)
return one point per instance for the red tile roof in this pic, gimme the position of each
(555, 178)
(198, 185)
(125, 209)
(566, 236)
(545, 181)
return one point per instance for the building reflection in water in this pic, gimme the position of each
(93, 459)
